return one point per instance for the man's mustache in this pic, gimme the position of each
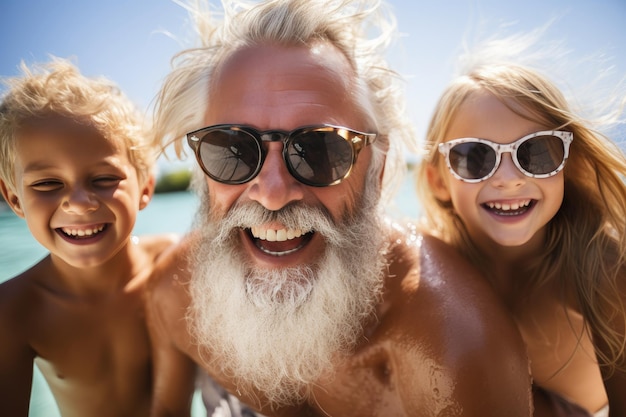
(296, 215)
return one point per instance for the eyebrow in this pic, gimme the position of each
(43, 165)
(38, 166)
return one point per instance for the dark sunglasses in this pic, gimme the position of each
(538, 155)
(315, 155)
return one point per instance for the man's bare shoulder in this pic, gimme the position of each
(167, 294)
(435, 334)
(423, 266)
(156, 245)
(432, 280)
(443, 322)
(172, 265)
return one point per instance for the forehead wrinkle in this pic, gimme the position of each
(284, 85)
(272, 86)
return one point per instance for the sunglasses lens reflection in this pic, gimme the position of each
(541, 155)
(230, 156)
(319, 157)
(472, 160)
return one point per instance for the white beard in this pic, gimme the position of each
(277, 331)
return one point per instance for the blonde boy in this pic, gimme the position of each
(74, 163)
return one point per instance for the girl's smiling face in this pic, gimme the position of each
(508, 209)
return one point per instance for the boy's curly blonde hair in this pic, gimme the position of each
(57, 88)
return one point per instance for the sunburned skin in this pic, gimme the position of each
(424, 353)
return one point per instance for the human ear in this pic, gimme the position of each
(12, 199)
(437, 183)
(147, 191)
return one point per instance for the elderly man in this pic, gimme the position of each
(291, 291)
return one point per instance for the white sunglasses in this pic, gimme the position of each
(538, 155)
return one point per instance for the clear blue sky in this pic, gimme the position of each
(126, 40)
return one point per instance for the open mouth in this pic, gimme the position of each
(82, 233)
(279, 242)
(509, 209)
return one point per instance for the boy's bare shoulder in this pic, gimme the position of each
(12, 293)
(21, 295)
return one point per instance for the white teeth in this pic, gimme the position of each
(82, 232)
(282, 253)
(273, 235)
(508, 207)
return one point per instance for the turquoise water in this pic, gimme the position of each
(170, 212)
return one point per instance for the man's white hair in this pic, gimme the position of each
(361, 29)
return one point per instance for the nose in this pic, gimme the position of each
(79, 200)
(274, 187)
(507, 174)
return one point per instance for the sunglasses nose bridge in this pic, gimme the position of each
(507, 171)
(274, 136)
(502, 148)
(505, 148)
(275, 186)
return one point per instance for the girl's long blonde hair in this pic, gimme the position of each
(586, 240)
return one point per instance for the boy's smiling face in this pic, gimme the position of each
(77, 191)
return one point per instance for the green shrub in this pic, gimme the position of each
(177, 180)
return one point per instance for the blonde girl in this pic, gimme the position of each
(534, 195)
